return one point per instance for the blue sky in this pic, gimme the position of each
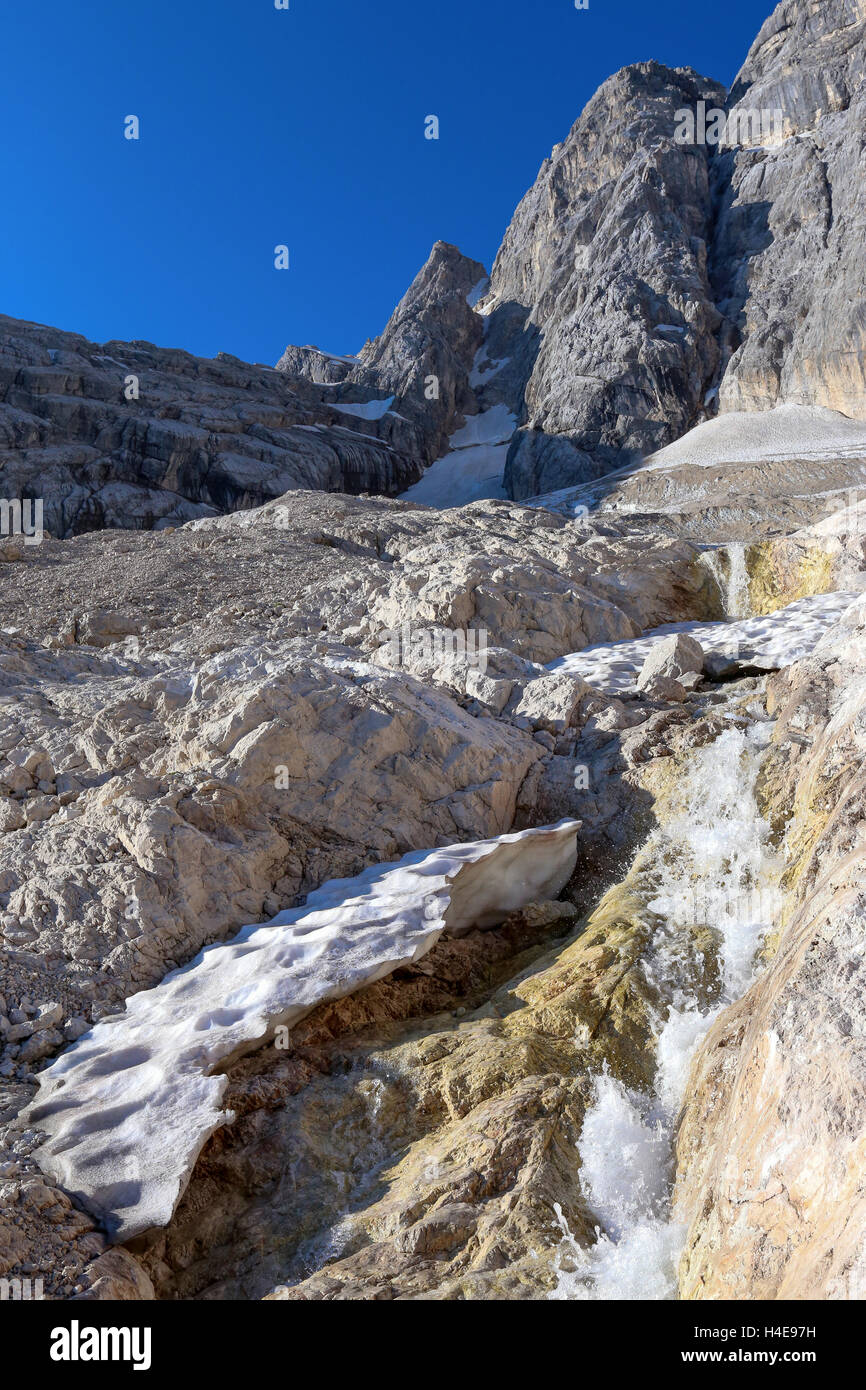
(303, 127)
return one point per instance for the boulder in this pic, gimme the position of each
(678, 655)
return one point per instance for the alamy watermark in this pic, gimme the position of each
(77, 1343)
(432, 647)
(711, 904)
(851, 515)
(22, 518)
(22, 1290)
(713, 126)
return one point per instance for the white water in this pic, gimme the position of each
(712, 865)
(727, 565)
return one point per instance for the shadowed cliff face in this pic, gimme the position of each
(136, 436)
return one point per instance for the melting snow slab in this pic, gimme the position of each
(779, 638)
(129, 1106)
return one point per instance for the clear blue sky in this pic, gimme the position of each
(303, 127)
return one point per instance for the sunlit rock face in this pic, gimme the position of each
(648, 280)
(794, 199)
(196, 732)
(815, 558)
(532, 834)
(606, 255)
(163, 787)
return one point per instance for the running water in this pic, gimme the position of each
(712, 866)
(738, 583)
(727, 565)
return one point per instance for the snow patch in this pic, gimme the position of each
(474, 467)
(779, 638)
(129, 1106)
(332, 356)
(478, 292)
(367, 410)
(494, 426)
(480, 376)
(772, 436)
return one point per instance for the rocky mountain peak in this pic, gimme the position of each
(433, 330)
(790, 199)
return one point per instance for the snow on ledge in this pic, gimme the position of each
(477, 293)
(772, 436)
(129, 1106)
(366, 410)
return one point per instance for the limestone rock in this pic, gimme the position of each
(423, 358)
(200, 436)
(675, 656)
(643, 285)
(791, 199)
(254, 682)
(606, 255)
(740, 477)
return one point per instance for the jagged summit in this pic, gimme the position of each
(424, 355)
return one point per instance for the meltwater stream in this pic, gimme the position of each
(711, 866)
